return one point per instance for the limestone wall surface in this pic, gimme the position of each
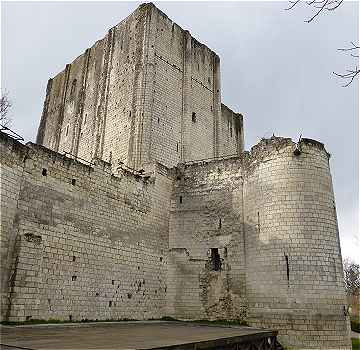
(270, 214)
(146, 92)
(294, 277)
(78, 242)
(205, 219)
(207, 231)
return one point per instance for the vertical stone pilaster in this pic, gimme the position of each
(186, 97)
(62, 108)
(142, 154)
(102, 98)
(217, 104)
(79, 116)
(44, 116)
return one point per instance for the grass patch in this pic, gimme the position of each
(355, 325)
(222, 322)
(165, 318)
(355, 344)
(215, 322)
(54, 321)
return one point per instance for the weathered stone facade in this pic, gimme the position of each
(156, 210)
(146, 92)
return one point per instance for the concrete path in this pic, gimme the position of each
(122, 335)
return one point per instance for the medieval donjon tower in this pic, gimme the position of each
(138, 200)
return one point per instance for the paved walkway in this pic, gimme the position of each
(121, 335)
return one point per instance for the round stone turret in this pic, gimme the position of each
(293, 258)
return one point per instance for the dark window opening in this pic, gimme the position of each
(113, 282)
(110, 303)
(44, 172)
(158, 120)
(220, 223)
(67, 130)
(70, 317)
(193, 117)
(73, 278)
(215, 263)
(28, 318)
(180, 199)
(287, 268)
(74, 258)
(73, 181)
(230, 131)
(177, 146)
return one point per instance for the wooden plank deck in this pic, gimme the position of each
(135, 335)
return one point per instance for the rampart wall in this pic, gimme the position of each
(223, 234)
(206, 215)
(270, 217)
(78, 242)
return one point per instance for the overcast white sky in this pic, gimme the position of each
(276, 70)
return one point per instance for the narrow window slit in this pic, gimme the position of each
(287, 268)
(193, 117)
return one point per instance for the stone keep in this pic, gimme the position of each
(138, 200)
(146, 92)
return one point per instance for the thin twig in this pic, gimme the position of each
(293, 4)
(351, 75)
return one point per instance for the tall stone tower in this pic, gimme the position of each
(146, 92)
(224, 234)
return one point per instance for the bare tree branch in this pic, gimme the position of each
(351, 73)
(331, 5)
(320, 6)
(5, 105)
(293, 4)
(354, 47)
(317, 13)
(352, 277)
